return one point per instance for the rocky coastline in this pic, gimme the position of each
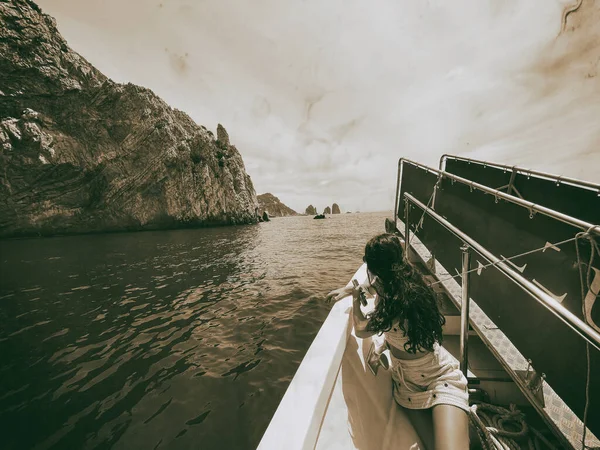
(80, 153)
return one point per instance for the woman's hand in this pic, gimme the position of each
(339, 294)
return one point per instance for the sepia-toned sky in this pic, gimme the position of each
(322, 97)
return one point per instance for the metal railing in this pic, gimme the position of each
(530, 206)
(523, 171)
(570, 319)
(530, 386)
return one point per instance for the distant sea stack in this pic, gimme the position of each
(311, 210)
(327, 210)
(271, 204)
(335, 209)
(80, 153)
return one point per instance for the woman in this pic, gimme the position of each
(426, 377)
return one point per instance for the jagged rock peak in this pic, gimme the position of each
(327, 210)
(222, 135)
(311, 210)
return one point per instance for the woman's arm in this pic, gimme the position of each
(345, 291)
(339, 294)
(359, 320)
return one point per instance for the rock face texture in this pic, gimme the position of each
(310, 210)
(80, 153)
(271, 204)
(335, 209)
(327, 210)
(222, 135)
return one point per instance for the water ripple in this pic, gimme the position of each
(164, 339)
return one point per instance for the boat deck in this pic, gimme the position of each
(335, 402)
(362, 415)
(557, 415)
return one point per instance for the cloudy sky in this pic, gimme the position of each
(322, 97)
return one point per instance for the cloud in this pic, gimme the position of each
(322, 98)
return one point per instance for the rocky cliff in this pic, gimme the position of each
(310, 210)
(271, 204)
(335, 209)
(80, 153)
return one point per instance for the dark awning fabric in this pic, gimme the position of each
(417, 182)
(506, 229)
(571, 200)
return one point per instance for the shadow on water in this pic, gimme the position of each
(165, 339)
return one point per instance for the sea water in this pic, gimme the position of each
(169, 339)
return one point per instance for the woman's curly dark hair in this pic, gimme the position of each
(403, 296)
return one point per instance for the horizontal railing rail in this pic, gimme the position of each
(524, 171)
(570, 196)
(532, 207)
(533, 242)
(576, 324)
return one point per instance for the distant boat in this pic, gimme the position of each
(319, 216)
(341, 398)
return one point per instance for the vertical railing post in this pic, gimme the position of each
(406, 229)
(464, 309)
(398, 199)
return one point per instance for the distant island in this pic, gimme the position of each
(310, 210)
(333, 209)
(273, 206)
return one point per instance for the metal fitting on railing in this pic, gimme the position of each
(539, 383)
(533, 381)
(529, 369)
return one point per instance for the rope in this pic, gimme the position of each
(420, 222)
(485, 266)
(499, 428)
(594, 249)
(491, 428)
(486, 433)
